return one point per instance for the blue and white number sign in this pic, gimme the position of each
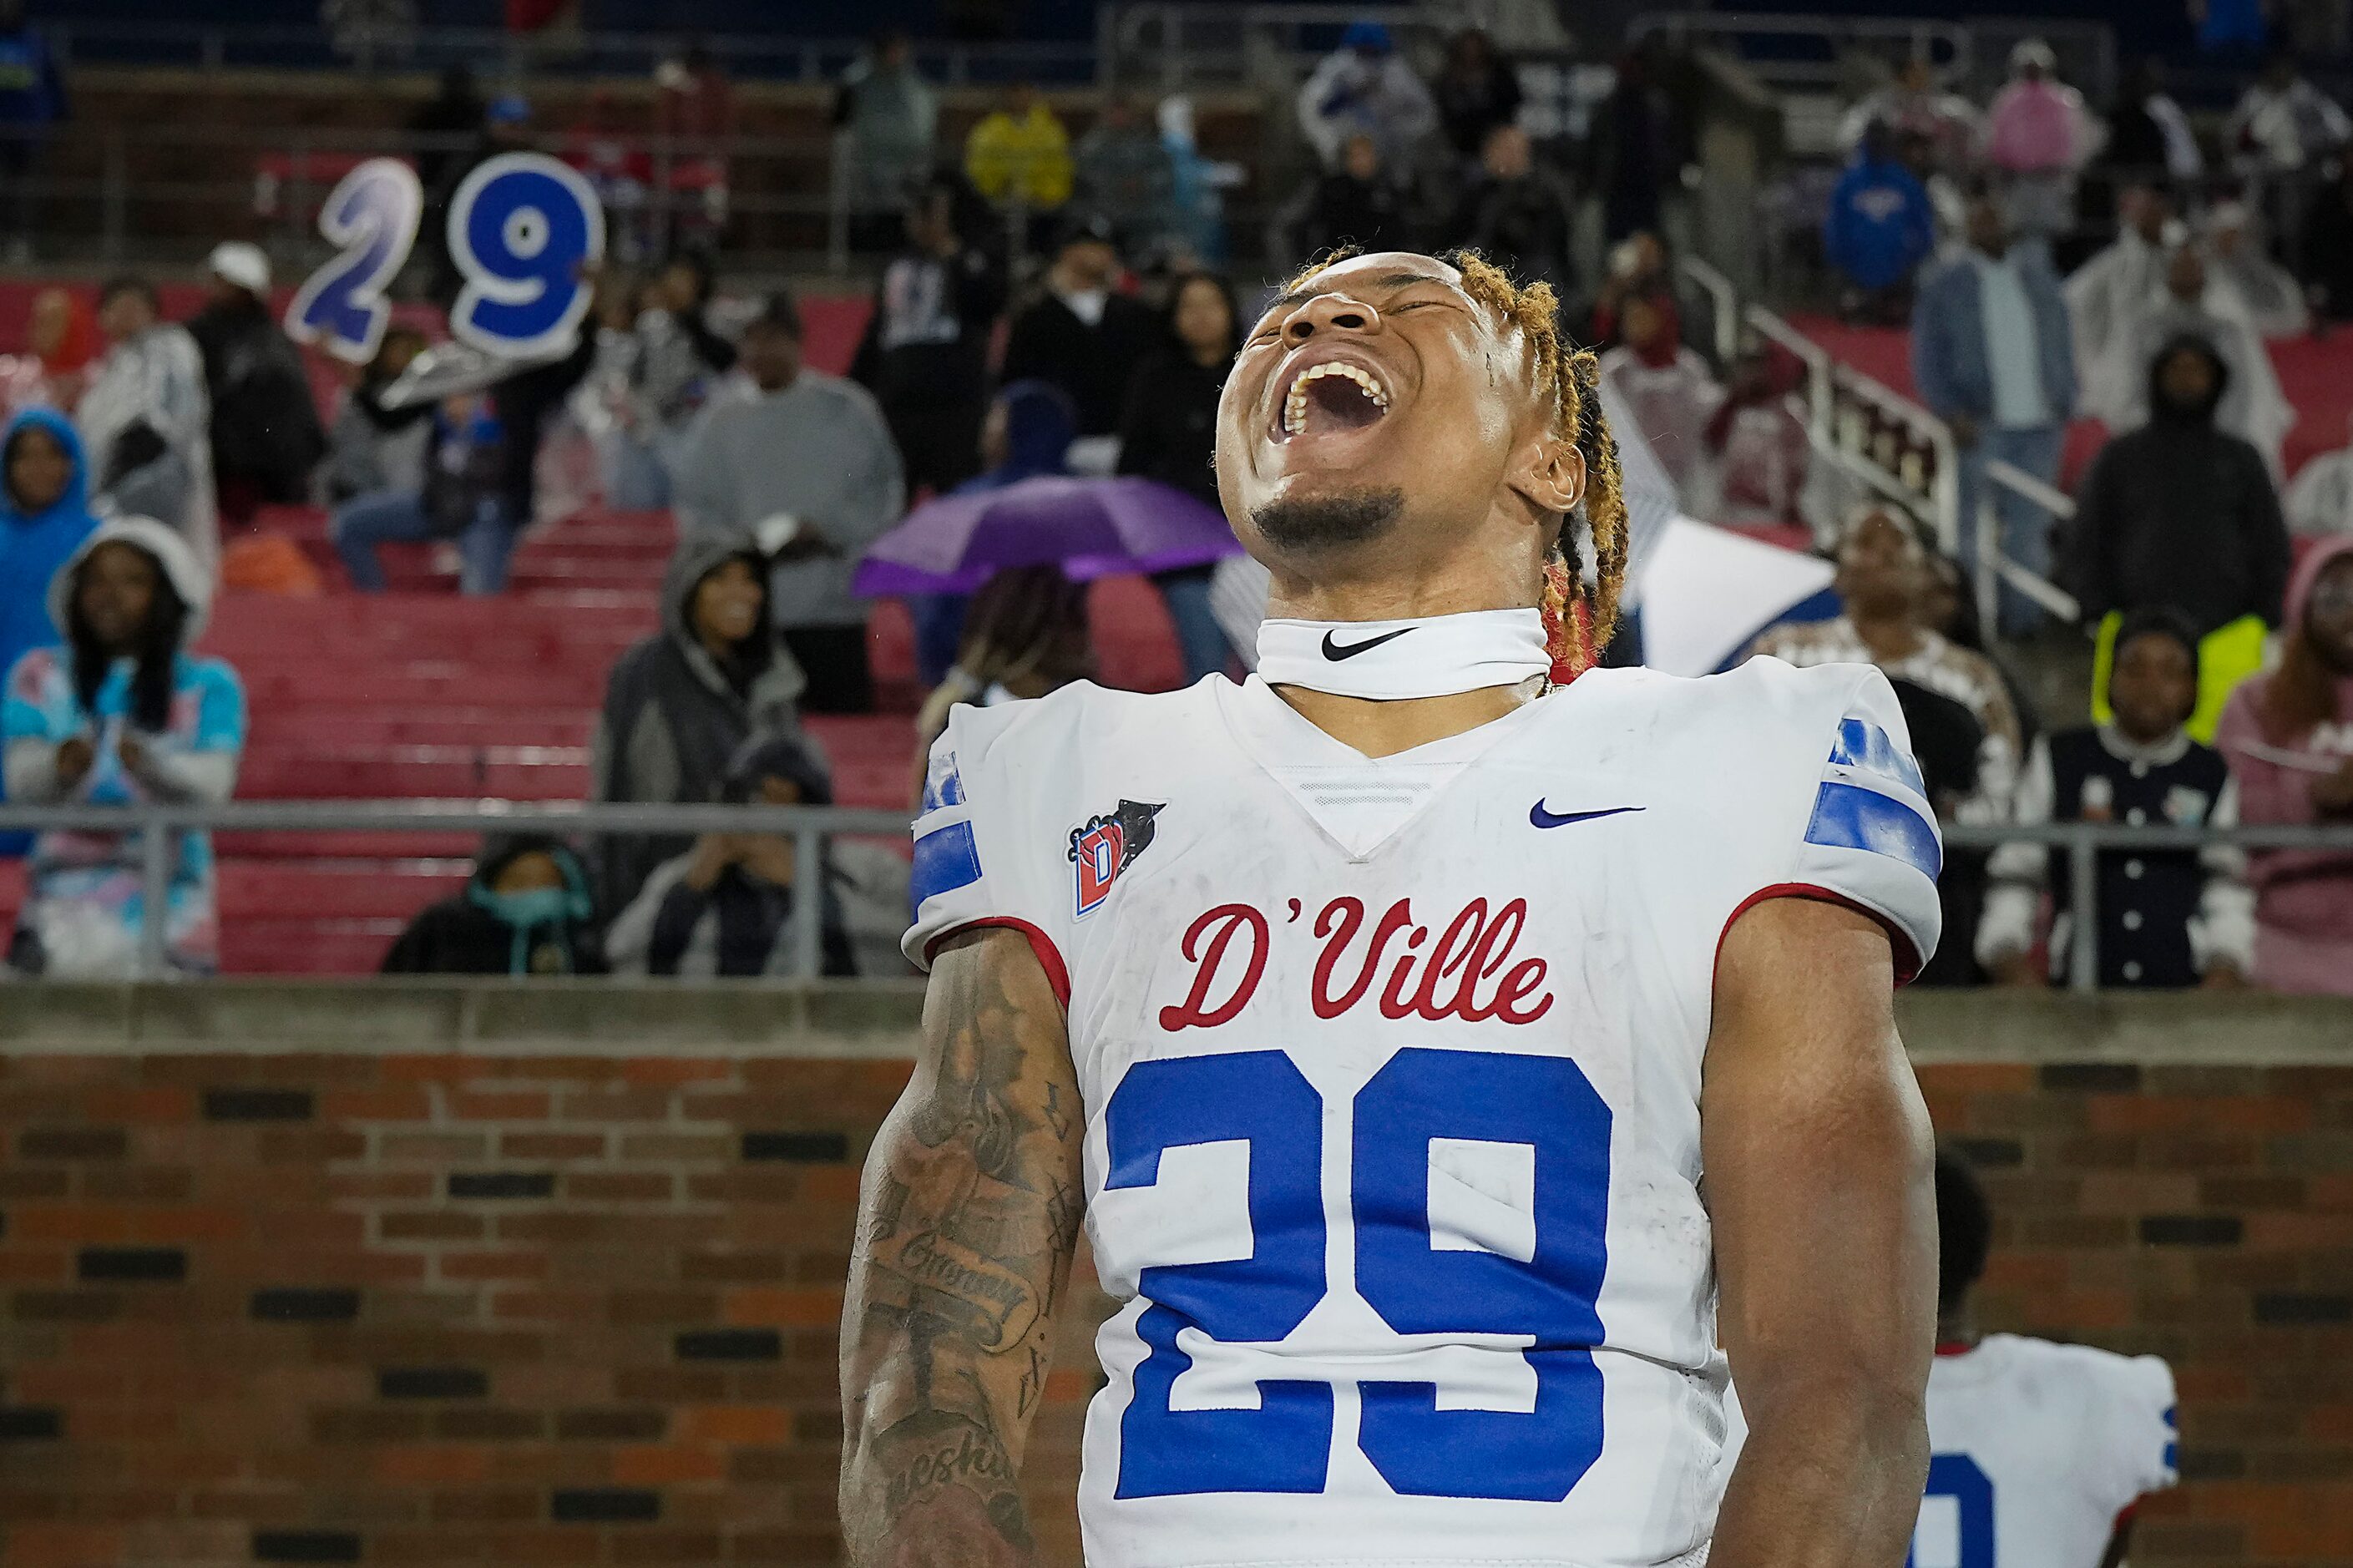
(524, 230)
(370, 219)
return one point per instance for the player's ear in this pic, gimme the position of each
(1550, 474)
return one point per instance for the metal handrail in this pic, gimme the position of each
(1724, 301)
(1993, 566)
(2085, 842)
(159, 823)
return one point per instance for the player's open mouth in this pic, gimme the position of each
(1333, 398)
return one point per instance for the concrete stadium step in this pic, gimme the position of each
(298, 944)
(395, 889)
(365, 775)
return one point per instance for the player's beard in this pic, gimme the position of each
(1310, 523)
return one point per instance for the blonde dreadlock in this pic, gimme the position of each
(1579, 621)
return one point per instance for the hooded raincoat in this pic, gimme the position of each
(2303, 898)
(673, 716)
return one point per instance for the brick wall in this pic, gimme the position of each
(524, 1307)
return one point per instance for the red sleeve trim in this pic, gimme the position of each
(1049, 957)
(1907, 957)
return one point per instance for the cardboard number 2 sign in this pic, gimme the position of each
(524, 232)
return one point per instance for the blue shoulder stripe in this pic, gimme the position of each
(946, 858)
(1849, 817)
(1865, 747)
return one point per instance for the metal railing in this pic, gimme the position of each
(160, 827)
(809, 826)
(2085, 842)
(1994, 568)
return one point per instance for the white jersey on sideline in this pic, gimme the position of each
(1391, 1072)
(2035, 1450)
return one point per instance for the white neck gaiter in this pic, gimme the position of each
(1432, 656)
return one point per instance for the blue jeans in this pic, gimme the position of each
(399, 517)
(2024, 528)
(1199, 639)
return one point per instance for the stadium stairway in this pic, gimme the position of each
(420, 694)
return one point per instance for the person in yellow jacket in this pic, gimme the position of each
(1019, 154)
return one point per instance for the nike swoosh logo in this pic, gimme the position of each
(1335, 652)
(1539, 818)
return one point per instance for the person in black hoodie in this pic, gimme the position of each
(1169, 434)
(1356, 204)
(525, 910)
(681, 703)
(1083, 335)
(2178, 514)
(926, 354)
(266, 436)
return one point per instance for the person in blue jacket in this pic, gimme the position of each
(1880, 226)
(44, 517)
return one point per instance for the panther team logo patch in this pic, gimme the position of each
(1106, 845)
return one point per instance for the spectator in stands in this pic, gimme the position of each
(806, 464)
(2179, 513)
(146, 419)
(1966, 733)
(1365, 87)
(680, 704)
(1082, 334)
(2111, 294)
(693, 100)
(925, 353)
(1358, 202)
(504, 127)
(120, 713)
(2037, 135)
(1882, 583)
(2327, 267)
(2167, 919)
(2149, 137)
(2255, 408)
(727, 907)
(456, 494)
(44, 517)
(371, 447)
(1123, 174)
(1027, 435)
(1518, 215)
(1168, 433)
(891, 116)
(675, 360)
(2288, 736)
(1638, 267)
(451, 118)
(1669, 389)
(1018, 156)
(1025, 635)
(1643, 139)
(2245, 277)
(1880, 227)
(32, 100)
(2280, 136)
(1196, 202)
(265, 427)
(61, 340)
(1993, 356)
(528, 909)
(2320, 501)
(1476, 92)
(1913, 104)
(1761, 450)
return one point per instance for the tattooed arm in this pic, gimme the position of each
(969, 1211)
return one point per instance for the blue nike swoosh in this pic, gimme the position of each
(1539, 818)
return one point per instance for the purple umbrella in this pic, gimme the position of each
(1091, 528)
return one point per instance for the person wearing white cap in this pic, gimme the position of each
(120, 713)
(266, 434)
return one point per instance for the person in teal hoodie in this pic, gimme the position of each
(44, 517)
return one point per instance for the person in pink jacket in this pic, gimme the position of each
(2288, 737)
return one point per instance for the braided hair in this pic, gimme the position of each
(1579, 620)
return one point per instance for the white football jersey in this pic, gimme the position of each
(2038, 1447)
(1392, 1075)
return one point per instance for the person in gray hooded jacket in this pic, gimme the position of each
(682, 702)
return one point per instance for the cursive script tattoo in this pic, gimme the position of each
(969, 1215)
